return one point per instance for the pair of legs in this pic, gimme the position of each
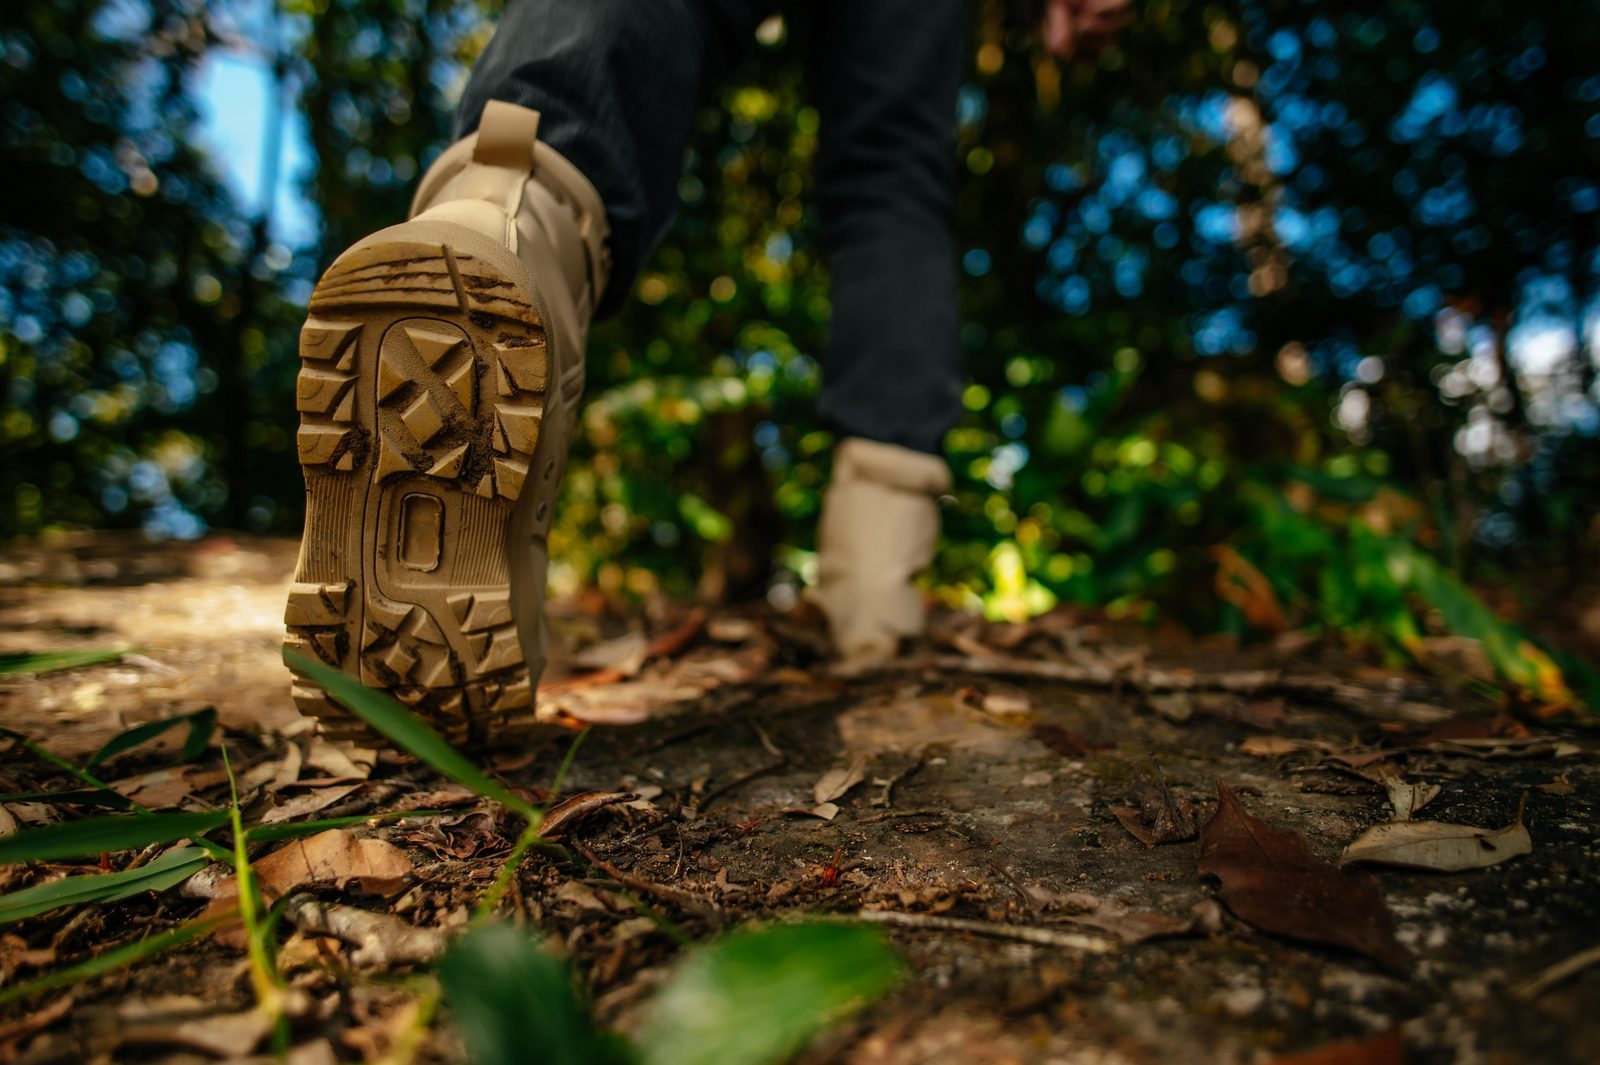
(616, 83)
(443, 356)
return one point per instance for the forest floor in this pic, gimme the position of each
(986, 795)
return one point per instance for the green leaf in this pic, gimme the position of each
(408, 732)
(112, 960)
(81, 797)
(171, 868)
(514, 1003)
(201, 723)
(95, 835)
(759, 995)
(52, 661)
(296, 829)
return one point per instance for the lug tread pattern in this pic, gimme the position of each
(460, 365)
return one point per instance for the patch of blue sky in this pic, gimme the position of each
(972, 104)
(1284, 46)
(1222, 332)
(1063, 254)
(1216, 223)
(1434, 97)
(235, 95)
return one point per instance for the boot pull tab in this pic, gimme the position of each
(507, 134)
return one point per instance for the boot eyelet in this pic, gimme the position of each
(544, 508)
(549, 469)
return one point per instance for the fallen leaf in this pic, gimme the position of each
(1406, 797)
(1067, 743)
(1175, 706)
(1001, 700)
(341, 761)
(187, 1021)
(308, 803)
(626, 654)
(825, 810)
(1277, 746)
(1111, 916)
(274, 772)
(8, 824)
(1270, 880)
(1437, 845)
(380, 939)
(1160, 816)
(1385, 1049)
(158, 790)
(334, 857)
(837, 781)
(574, 808)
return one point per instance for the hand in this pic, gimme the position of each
(1082, 25)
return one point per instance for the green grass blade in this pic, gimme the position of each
(274, 833)
(757, 996)
(407, 732)
(201, 724)
(112, 960)
(95, 835)
(171, 868)
(54, 759)
(514, 1003)
(566, 764)
(81, 797)
(53, 661)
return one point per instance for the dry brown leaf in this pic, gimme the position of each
(569, 811)
(380, 940)
(274, 772)
(837, 781)
(1067, 743)
(340, 761)
(626, 654)
(1175, 706)
(1270, 880)
(1385, 1049)
(1161, 816)
(1406, 797)
(308, 803)
(1437, 845)
(1277, 746)
(334, 857)
(186, 1021)
(1111, 916)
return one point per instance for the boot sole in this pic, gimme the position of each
(422, 390)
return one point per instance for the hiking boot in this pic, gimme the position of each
(879, 528)
(442, 364)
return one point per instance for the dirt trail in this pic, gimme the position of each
(981, 813)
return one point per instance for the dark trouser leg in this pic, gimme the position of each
(887, 75)
(616, 83)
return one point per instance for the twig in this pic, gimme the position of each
(693, 903)
(1242, 682)
(1045, 937)
(737, 782)
(1531, 989)
(926, 811)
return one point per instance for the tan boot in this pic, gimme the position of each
(442, 368)
(879, 528)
